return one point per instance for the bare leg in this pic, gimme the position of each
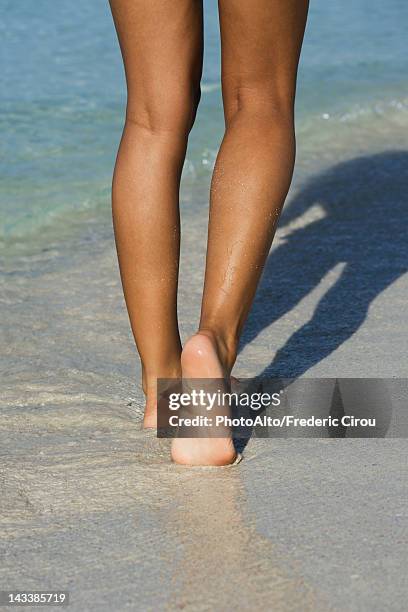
(261, 43)
(162, 44)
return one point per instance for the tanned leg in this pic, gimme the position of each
(261, 43)
(162, 45)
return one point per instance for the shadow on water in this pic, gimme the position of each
(363, 228)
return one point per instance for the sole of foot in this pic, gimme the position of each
(199, 359)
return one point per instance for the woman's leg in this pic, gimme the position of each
(261, 43)
(162, 45)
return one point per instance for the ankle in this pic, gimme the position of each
(149, 379)
(226, 345)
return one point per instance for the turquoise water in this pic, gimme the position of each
(62, 98)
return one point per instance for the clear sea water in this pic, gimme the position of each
(62, 97)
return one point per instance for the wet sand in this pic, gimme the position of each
(91, 504)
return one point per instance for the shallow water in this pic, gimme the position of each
(63, 95)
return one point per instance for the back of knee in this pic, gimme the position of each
(170, 111)
(262, 103)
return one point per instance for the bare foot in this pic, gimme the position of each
(199, 359)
